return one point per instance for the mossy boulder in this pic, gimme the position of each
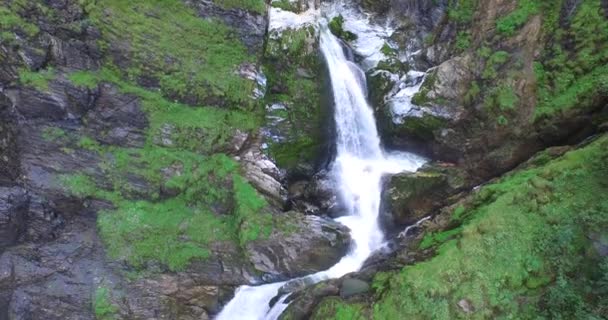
(412, 196)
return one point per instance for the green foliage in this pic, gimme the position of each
(462, 11)
(289, 154)
(53, 134)
(335, 309)
(191, 57)
(336, 26)
(257, 6)
(506, 97)
(573, 72)
(387, 50)
(39, 80)
(285, 5)
(524, 250)
(508, 24)
(463, 40)
(102, 306)
(89, 144)
(84, 79)
(11, 22)
(496, 60)
(472, 93)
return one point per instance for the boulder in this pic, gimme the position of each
(411, 196)
(352, 286)
(299, 245)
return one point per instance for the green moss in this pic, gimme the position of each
(472, 94)
(462, 11)
(463, 40)
(89, 144)
(192, 58)
(37, 79)
(102, 306)
(11, 22)
(285, 5)
(508, 24)
(496, 60)
(336, 309)
(522, 235)
(421, 127)
(84, 79)
(573, 72)
(290, 154)
(53, 134)
(336, 26)
(258, 6)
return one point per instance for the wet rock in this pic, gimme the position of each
(411, 196)
(351, 287)
(302, 303)
(299, 245)
(9, 163)
(318, 196)
(14, 203)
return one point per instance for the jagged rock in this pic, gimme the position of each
(299, 245)
(318, 196)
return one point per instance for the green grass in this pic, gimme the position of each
(257, 6)
(194, 59)
(85, 79)
(336, 309)
(11, 22)
(53, 134)
(37, 79)
(522, 252)
(463, 40)
(462, 11)
(508, 24)
(102, 306)
(571, 75)
(496, 60)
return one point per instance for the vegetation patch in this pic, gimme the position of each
(37, 79)
(573, 71)
(508, 24)
(257, 6)
(526, 249)
(336, 26)
(103, 308)
(189, 57)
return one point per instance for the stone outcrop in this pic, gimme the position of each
(300, 246)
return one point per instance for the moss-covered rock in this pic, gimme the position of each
(295, 78)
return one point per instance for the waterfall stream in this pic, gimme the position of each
(358, 169)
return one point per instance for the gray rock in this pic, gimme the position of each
(299, 245)
(351, 287)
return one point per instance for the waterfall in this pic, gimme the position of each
(358, 169)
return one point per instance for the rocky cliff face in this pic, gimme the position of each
(133, 183)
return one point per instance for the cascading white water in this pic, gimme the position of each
(358, 169)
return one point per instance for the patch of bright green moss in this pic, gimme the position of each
(192, 58)
(336, 309)
(508, 24)
(102, 306)
(37, 79)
